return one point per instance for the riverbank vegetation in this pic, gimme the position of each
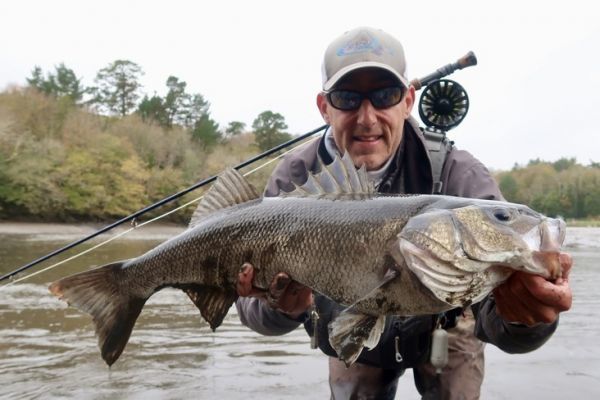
(65, 158)
(70, 153)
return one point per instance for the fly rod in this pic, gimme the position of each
(158, 204)
(465, 61)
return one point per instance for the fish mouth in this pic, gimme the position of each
(544, 243)
(447, 281)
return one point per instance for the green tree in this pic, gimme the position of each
(194, 108)
(235, 128)
(64, 83)
(564, 163)
(118, 87)
(38, 81)
(152, 109)
(269, 130)
(177, 102)
(206, 131)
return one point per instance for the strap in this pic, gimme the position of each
(438, 146)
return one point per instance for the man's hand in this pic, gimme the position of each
(530, 299)
(285, 295)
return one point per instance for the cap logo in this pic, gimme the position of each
(363, 42)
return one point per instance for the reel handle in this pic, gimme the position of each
(465, 61)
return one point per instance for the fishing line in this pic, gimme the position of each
(137, 226)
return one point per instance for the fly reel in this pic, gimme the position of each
(444, 104)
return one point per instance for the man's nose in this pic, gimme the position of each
(366, 114)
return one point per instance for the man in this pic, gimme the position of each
(367, 101)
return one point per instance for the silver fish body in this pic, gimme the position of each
(379, 255)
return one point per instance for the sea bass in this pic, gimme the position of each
(378, 255)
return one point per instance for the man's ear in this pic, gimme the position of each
(409, 100)
(323, 106)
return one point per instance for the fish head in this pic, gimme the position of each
(461, 254)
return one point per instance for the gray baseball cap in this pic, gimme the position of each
(363, 47)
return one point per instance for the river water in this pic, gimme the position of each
(49, 351)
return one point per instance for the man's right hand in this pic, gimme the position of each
(284, 294)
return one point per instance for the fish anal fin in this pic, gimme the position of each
(351, 331)
(230, 188)
(213, 302)
(114, 311)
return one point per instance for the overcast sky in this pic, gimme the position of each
(535, 92)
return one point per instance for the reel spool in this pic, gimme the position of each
(444, 104)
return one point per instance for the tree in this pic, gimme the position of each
(235, 128)
(118, 87)
(153, 109)
(269, 130)
(193, 109)
(63, 83)
(176, 103)
(38, 81)
(206, 131)
(564, 163)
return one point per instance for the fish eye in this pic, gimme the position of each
(502, 214)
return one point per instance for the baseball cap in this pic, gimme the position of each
(363, 47)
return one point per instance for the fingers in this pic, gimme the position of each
(297, 300)
(244, 285)
(514, 303)
(556, 295)
(566, 263)
(284, 294)
(289, 297)
(278, 287)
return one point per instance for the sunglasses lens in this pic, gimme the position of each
(386, 97)
(345, 100)
(348, 100)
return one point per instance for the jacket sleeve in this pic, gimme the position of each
(257, 315)
(463, 175)
(511, 338)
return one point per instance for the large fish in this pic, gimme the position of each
(379, 255)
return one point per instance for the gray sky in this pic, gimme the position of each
(535, 92)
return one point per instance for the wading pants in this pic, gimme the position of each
(461, 379)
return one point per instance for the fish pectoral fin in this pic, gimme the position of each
(351, 331)
(213, 302)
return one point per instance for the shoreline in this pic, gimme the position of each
(84, 229)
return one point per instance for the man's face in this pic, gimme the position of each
(370, 135)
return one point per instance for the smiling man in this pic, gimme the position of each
(367, 101)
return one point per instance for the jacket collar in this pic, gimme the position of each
(410, 170)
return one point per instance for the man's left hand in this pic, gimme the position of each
(530, 299)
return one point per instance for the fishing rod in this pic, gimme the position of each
(443, 108)
(159, 203)
(465, 61)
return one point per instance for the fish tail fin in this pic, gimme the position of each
(99, 293)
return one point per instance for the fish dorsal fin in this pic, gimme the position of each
(231, 188)
(339, 177)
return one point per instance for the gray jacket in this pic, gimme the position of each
(410, 172)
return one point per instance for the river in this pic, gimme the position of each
(49, 351)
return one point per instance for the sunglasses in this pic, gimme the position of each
(348, 100)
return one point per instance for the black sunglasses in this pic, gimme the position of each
(348, 100)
